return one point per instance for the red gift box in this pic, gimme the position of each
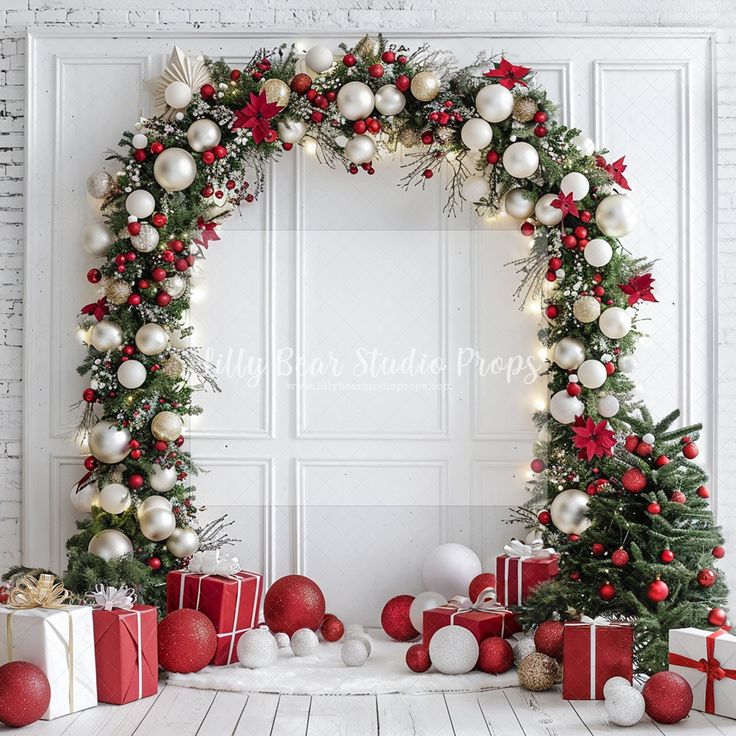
(482, 624)
(126, 653)
(593, 653)
(517, 575)
(231, 602)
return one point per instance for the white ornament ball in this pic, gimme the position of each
(146, 240)
(626, 363)
(421, 603)
(476, 133)
(355, 100)
(291, 131)
(319, 58)
(152, 502)
(106, 336)
(586, 309)
(569, 353)
(648, 438)
(522, 647)
(151, 339)
(585, 145)
(450, 568)
(390, 100)
(183, 542)
(203, 135)
(576, 184)
(175, 286)
(453, 650)
(353, 630)
(353, 653)
(612, 683)
(139, 141)
(521, 160)
(115, 498)
(109, 444)
(518, 203)
(568, 511)
(616, 215)
(366, 641)
(304, 642)
(625, 706)
(545, 212)
(592, 374)
(615, 323)
(178, 95)
(360, 149)
(257, 648)
(598, 252)
(475, 188)
(86, 498)
(100, 184)
(157, 524)
(132, 374)
(161, 479)
(97, 238)
(282, 640)
(494, 103)
(175, 169)
(140, 203)
(564, 408)
(608, 406)
(110, 544)
(166, 426)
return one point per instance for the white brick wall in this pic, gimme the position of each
(391, 15)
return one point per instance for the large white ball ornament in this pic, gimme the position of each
(257, 648)
(175, 169)
(109, 444)
(175, 286)
(151, 339)
(576, 184)
(569, 353)
(476, 133)
(100, 184)
(146, 240)
(592, 374)
(86, 498)
(626, 363)
(453, 650)
(494, 103)
(140, 204)
(518, 203)
(97, 238)
(304, 642)
(616, 215)
(139, 141)
(390, 100)
(360, 149)
(161, 479)
(353, 653)
(132, 374)
(152, 502)
(115, 498)
(564, 408)
(475, 188)
(545, 212)
(355, 100)
(319, 58)
(568, 511)
(449, 569)
(157, 524)
(625, 706)
(598, 252)
(291, 131)
(178, 95)
(615, 323)
(166, 426)
(106, 336)
(421, 603)
(521, 160)
(110, 544)
(204, 134)
(585, 145)
(608, 406)
(183, 542)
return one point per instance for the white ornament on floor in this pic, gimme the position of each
(282, 640)
(453, 650)
(354, 653)
(304, 642)
(612, 683)
(257, 648)
(523, 647)
(625, 706)
(421, 603)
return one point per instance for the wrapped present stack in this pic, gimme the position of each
(522, 568)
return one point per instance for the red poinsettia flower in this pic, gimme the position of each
(615, 170)
(255, 116)
(591, 439)
(639, 288)
(207, 232)
(97, 309)
(508, 74)
(566, 204)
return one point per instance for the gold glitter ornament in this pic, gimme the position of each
(408, 137)
(367, 47)
(117, 291)
(172, 367)
(537, 672)
(586, 309)
(425, 86)
(277, 91)
(524, 109)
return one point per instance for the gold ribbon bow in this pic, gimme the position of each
(41, 592)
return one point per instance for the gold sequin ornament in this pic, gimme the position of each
(524, 109)
(586, 309)
(367, 47)
(537, 672)
(277, 91)
(408, 137)
(172, 367)
(117, 291)
(425, 86)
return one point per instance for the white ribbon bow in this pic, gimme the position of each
(597, 621)
(516, 548)
(209, 563)
(108, 597)
(486, 601)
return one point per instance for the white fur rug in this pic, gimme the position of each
(325, 674)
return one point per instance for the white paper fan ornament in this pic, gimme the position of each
(182, 69)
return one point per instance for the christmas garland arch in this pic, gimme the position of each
(615, 492)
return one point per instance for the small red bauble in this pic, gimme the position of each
(706, 577)
(496, 655)
(376, 70)
(159, 219)
(607, 592)
(657, 591)
(388, 57)
(301, 83)
(427, 173)
(544, 518)
(90, 462)
(573, 537)
(527, 229)
(574, 389)
(540, 116)
(208, 158)
(156, 147)
(552, 311)
(139, 155)
(360, 127)
(548, 638)
(537, 465)
(569, 241)
(717, 617)
(668, 697)
(678, 497)
(207, 91)
(163, 298)
(634, 480)
(158, 274)
(417, 658)
(220, 151)
(654, 508)
(331, 628)
(134, 300)
(492, 157)
(187, 641)
(349, 60)
(154, 563)
(620, 557)
(135, 482)
(89, 395)
(479, 583)
(667, 555)
(703, 492)
(643, 449)
(293, 602)
(574, 575)
(718, 552)
(690, 451)
(94, 276)
(395, 618)
(631, 443)
(661, 461)
(540, 131)
(25, 693)
(598, 549)
(134, 228)
(402, 82)
(235, 75)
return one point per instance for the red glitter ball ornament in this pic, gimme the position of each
(24, 693)
(331, 628)
(718, 552)
(301, 83)
(620, 557)
(395, 618)
(496, 655)
(631, 443)
(187, 641)
(293, 602)
(548, 638)
(706, 577)
(417, 658)
(634, 480)
(537, 465)
(479, 583)
(668, 697)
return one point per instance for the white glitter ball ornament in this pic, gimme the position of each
(304, 642)
(453, 650)
(282, 640)
(257, 648)
(354, 653)
(522, 648)
(612, 684)
(625, 706)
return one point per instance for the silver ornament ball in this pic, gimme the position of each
(100, 184)
(625, 706)
(157, 524)
(521, 160)
(140, 204)
(257, 648)
(545, 212)
(615, 322)
(106, 336)
(178, 95)
(161, 479)
(616, 215)
(476, 133)
(353, 653)
(592, 373)
(568, 511)
(304, 642)
(564, 408)
(523, 647)
(204, 134)
(146, 240)
(518, 203)
(569, 353)
(175, 169)
(97, 238)
(110, 544)
(355, 100)
(183, 542)
(390, 100)
(86, 498)
(109, 444)
(152, 502)
(360, 149)
(291, 131)
(494, 103)
(115, 498)
(613, 683)
(175, 286)
(132, 374)
(453, 650)
(598, 252)
(151, 339)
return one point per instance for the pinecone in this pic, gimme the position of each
(524, 109)
(117, 291)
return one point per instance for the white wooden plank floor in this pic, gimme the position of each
(179, 711)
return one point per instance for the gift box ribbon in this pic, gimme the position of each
(708, 665)
(594, 623)
(518, 552)
(485, 602)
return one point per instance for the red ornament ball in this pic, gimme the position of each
(678, 497)
(717, 617)
(598, 549)
(154, 563)
(301, 83)
(703, 492)
(552, 311)
(631, 443)
(187, 641)
(417, 658)
(331, 628)
(479, 583)
(537, 465)
(496, 655)
(548, 638)
(643, 449)
(718, 552)
(94, 276)
(690, 450)
(395, 618)
(375, 70)
(667, 555)
(207, 91)
(634, 480)
(658, 591)
(349, 60)
(544, 518)
(668, 697)
(620, 557)
(293, 602)
(607, 592)
(654, 508)
(25, 694)
(402, 82)
(90, 463)
(527, 229)
(136, 481)
(706, 577)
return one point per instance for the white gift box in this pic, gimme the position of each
(707, 660)
(61, 642)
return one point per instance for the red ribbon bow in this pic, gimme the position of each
(709, 665)
(207, 232)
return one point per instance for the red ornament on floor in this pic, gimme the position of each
(24, 694)
(187, 641)
(480, 583)
(668, 697)
(395, 618)
(548, 638)
(293, 602)
(332, 628)
(417, 658)
(496, 655)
